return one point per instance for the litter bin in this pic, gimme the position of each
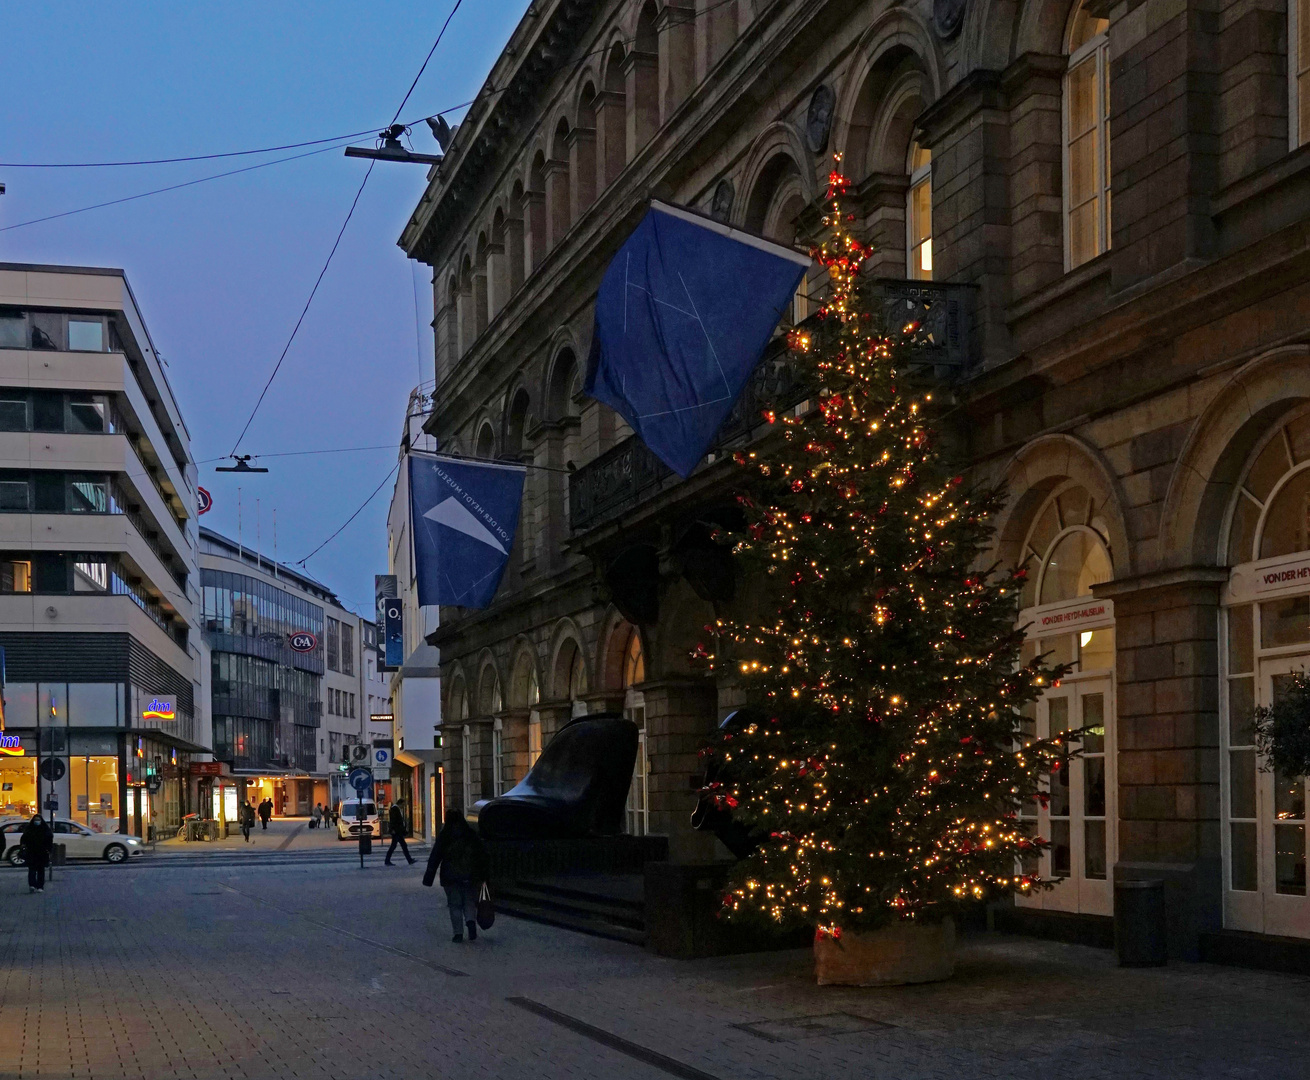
(59, 855)
(1140, 923)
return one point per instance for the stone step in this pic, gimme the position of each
(570, 918)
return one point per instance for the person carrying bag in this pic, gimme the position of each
(462, 860)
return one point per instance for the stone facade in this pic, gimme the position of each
(1129, 399)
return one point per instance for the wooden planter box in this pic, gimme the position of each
(902, 953)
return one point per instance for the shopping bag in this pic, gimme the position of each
(486, 909)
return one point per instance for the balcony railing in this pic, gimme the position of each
(628, 474)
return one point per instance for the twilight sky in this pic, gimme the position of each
(222, 269)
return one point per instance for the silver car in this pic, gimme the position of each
(79, 842)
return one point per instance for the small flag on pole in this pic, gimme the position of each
(683, 315)
(464, 515)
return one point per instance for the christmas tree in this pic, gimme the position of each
(889, 761)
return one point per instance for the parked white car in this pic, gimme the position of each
(79, 842)
(349, 825)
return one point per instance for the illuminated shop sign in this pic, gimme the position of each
(10, 745)
(159, 709)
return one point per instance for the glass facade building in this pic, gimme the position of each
(267, 697)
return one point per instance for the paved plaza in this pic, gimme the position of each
(283, 964)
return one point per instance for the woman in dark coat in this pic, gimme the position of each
(463, 862)
(38, 842)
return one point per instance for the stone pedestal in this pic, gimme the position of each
(896, 955)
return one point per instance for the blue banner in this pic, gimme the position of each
(464, 515)
(683, 315)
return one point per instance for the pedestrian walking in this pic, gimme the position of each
(396, 822)
(38, 842)
(316, 818)
(265, 812)
(463, 862)
(247, 812)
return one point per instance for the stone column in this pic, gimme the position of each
(535, 246)
(514, 259)
(514, 745)
(599, 701)
(676, 25)
(641, 72)
(557, 202)
(1167, 741)
(554, 715)
(612, 138)
(680, 716)
(497, 279)
(582, 166)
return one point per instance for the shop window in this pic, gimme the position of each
(18, 796)
(93, 791)
(918, 214)
(1087, 139)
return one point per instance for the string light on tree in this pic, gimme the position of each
(890, 763)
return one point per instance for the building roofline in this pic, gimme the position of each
(47, 268)
(241, 550)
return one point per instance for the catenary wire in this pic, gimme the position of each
(304, 453)
(337, 243)
(390, 472)
(171, 187)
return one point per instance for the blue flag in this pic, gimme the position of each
(464, 515)
(683, 315)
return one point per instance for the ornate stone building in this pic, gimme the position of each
(1102, 205)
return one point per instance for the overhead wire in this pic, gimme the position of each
(304, 453)
(342, 528)
(171, 187)
(337, 243)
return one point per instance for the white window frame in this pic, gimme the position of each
(919, 176)
(1099, 44)
(497, 767)
(466, 761)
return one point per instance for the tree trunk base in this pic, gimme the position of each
(895, 955)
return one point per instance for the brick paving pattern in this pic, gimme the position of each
(289, 965)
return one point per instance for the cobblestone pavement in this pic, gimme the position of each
(305, 966)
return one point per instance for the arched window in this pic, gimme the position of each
(1066, 551)
(497, 265)
(534, 211)
(563, 386)
(634, 708)
(467, 321)
(612, 118)
(514, 246)
(481, 293)
(485, 447)
(1271, 513)
(489, 699)
(918, 214)
(583, 156)
(643, 81)
(634, 662)
(516, 424)
(1087, 139)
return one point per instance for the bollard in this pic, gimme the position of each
(1141, 929)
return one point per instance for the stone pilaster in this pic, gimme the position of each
(680, 716)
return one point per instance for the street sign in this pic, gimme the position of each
(360, 780)
(53, 768)
(153, 783)
(360, 754)
(381, 757)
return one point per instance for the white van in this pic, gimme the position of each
(349, 825)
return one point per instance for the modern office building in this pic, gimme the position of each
(1099, 209)
(288, 685)
(104, 668)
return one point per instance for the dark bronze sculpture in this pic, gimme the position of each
(712, 813)
(578, 787)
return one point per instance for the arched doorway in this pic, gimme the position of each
(1265, 639)
(1067, 548)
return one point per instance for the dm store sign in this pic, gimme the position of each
(160, 708)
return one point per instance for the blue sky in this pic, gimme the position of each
(221, 270)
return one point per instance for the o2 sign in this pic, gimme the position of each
(204, 501)
(303, 641)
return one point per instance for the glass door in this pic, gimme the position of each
(1281, 843)
(1078, 818)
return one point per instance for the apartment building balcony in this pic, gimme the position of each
(628, 475)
